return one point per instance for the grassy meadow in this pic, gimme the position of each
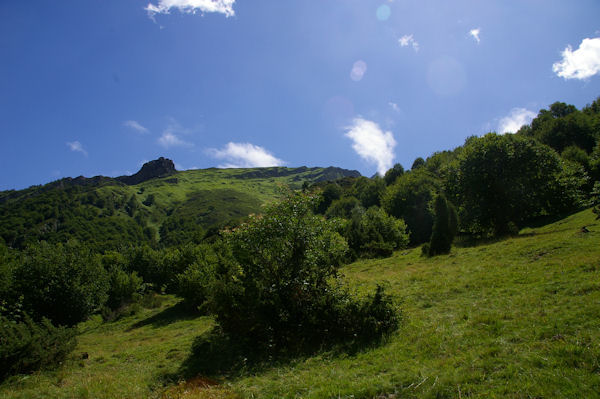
(512, 318)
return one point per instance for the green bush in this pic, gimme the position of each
(27, 346)
(124, 288)
(193, 284)
(373, 233)
(64, 283)
(276, 283)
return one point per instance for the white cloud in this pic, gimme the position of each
(372, 144)
(408, 40)
(515, 119)
(245, 155)
(135, 126)
(170, 139)
(171, 136)
(191, 7)
(475, 33)
(582, 63)
(77, 147)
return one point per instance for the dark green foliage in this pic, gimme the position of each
(342, 208)
(563, 126)
(504, 180)
(368, 191)
(331, 192)
(444, 227)
(193, 284)
(276, 287)
(64, 283)
(595, 200)
(419, 162)
(392, 174)
(410, 199)
(577, 155)
(373, 233)
(71, 212)
(178, 230)
(124, 288)
(595, 163)
(27, 346)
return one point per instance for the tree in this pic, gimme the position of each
(419, 162)
(444, 227)
(410, 199)
(64, 283)
(502, 181)
(392, 174)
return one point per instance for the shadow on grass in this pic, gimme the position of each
(170, 315)
(216, 355)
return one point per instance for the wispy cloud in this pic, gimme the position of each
(135, 126)
(76, 146)
(394, 106)
(372, 144)
(245, 155)
(408, 40)
(515, 119)
(191, 7)
(171, 136)
(475, 33)
(580, 64)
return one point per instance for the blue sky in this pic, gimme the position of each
(91, 87)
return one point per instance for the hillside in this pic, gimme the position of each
(107, 212)
(510, 318)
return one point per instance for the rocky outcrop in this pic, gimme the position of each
(160, 167)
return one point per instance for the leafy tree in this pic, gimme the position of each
(445, 227)
(575, 154)
(342, 208)
(504, 180)
(331, 192)
(64, 283)
(410, 199)
(368, 191)
(419, 162)
(392, 174)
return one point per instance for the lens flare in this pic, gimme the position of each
(383, 12)
(358, 70)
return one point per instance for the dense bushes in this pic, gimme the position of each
(27, 346)
(64, 283)
(373, 233)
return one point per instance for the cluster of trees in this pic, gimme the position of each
(492, 185)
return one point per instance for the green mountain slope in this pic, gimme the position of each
(514, 318)
(132, 209)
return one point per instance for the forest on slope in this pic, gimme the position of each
(82, 247)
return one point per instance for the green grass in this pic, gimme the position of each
(517, 318)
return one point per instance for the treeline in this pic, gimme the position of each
(496, 184)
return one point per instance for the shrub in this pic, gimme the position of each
(64, 283)
(193, 284)
(123, 288)
(27, 346)
(373, 233)
(276, 281)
